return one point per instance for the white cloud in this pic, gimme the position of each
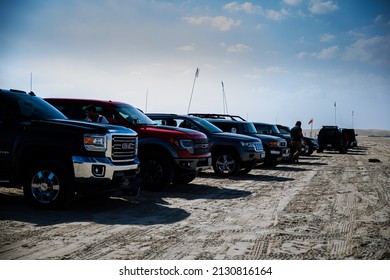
(220, 22)
(322, 7)
(237, 48)
(324, 54)
(246, 7)
(292, 2)
(327, 53)
(326, 37)
(276, 15)
(186, 48)
(374, 50)
(380, 19)
(274, 69)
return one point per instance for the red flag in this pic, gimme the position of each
(311, 121)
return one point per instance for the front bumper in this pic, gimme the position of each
(193, 164)
(252, 159)
(101, 172)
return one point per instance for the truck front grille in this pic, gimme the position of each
(124, 148)
(201, 146)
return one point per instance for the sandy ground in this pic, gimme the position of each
(330, 206)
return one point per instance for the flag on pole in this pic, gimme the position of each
(310, 121)
(197, 72)
(335, 104)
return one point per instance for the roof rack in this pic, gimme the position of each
(218, 116)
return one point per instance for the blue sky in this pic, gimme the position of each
(280, 61)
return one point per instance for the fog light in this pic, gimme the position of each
(185, 164)
(98, 170)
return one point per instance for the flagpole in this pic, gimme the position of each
(146, 102)
(192, 91)
(31, 82)
(335, 123)
(224, 102)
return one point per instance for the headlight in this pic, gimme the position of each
(273, 143)
(249, 145)
(93, 142)
(185, 144)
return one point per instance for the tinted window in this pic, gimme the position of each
(37, 109)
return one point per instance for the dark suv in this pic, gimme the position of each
(332, 138)
(167, 154)
(53, 157)
(276, 148)
(272, 129)
(231, 153)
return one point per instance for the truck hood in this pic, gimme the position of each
(265, 137)
(170, 131)
(238, 137)
(86, 127)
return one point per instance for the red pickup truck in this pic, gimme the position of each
(167, 154)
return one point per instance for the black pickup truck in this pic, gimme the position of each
(53, 158)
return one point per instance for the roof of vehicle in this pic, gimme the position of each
(86, 100)
(218, 116)
(17, 91)
(225, 120)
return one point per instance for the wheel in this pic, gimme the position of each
(156, 171)
(185, 179)
(343, 150)
(226, 164)
(49, 184)
(246, 170)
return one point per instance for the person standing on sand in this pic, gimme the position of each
(296, 141)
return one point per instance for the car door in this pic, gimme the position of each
(8, 129)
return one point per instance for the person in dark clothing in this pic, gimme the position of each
(296, 141)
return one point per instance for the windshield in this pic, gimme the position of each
(284, 129)
(206, 125)
(249, 128)
(270, 129)
(133, 115)
(275, 129)
(37, 109)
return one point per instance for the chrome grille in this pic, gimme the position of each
(124, 148)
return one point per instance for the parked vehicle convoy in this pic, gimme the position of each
(53, 157)
(332, 138)
(275, 147)
(167, 154)
(231, 153)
